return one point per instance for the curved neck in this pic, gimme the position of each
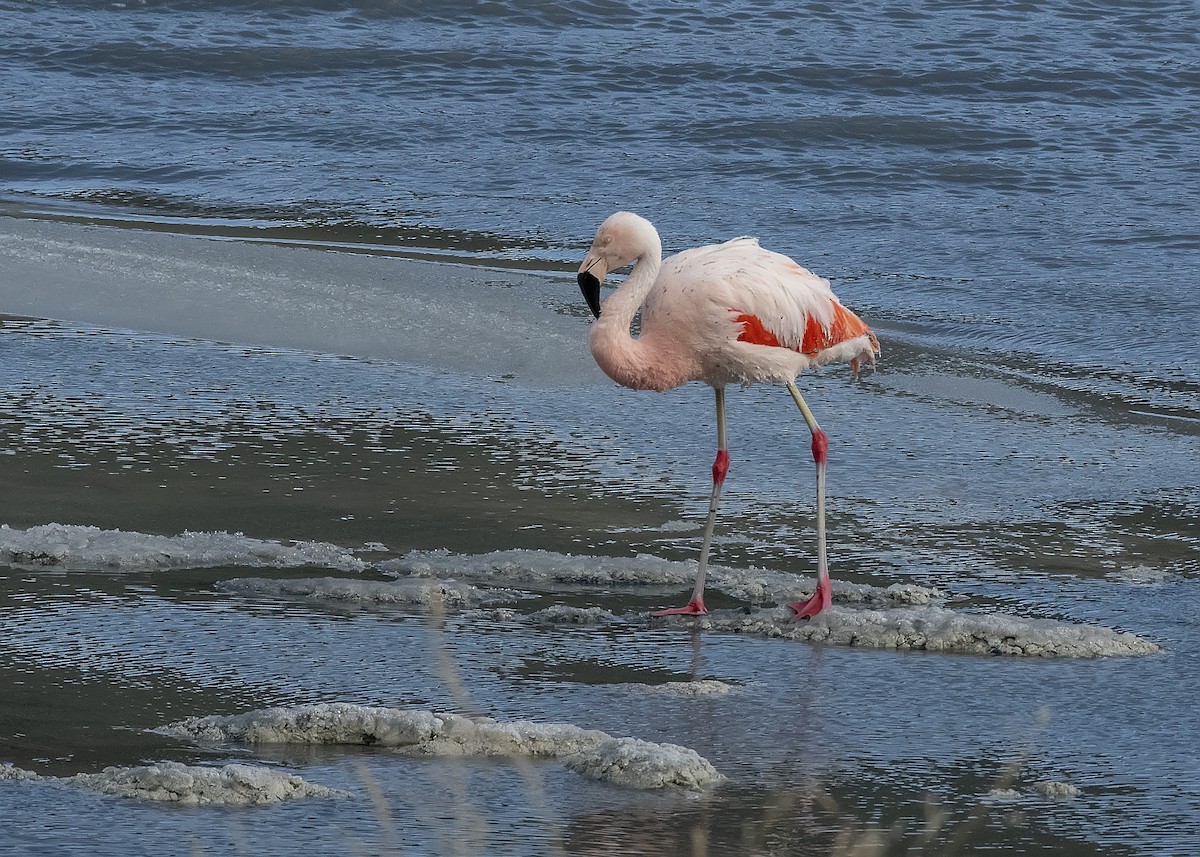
(636, 363)
(618, 311)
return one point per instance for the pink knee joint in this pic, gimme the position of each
(820, 447)
(720, 466)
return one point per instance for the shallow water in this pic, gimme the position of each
(151, 433)
(1014, 180)
(1005, 194)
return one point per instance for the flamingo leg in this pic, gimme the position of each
(695, 607)
(821, 598)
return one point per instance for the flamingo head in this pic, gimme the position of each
(621, 239)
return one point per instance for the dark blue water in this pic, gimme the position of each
(1019, 179)
(1006, 192)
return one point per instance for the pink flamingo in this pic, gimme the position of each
(729, 313)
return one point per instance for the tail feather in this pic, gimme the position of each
(847, 338)
(845, 325)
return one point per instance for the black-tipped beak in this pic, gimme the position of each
(590, 286)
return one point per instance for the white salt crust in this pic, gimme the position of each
(561, 614)
(703, 687)
(195, 785)
(1043, 788)
(545, 568)
(1055, 788)
(1140, 574)
(424, 592)
(930, 628)
(10, 772)
(622, 761)
(229, 785)
(71, 547)
(900, 616)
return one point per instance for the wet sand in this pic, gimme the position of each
(312, 297)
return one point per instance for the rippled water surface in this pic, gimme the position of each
(161, 434)
(1006, 193)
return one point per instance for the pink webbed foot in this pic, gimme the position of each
(819, 601)
(695, 607)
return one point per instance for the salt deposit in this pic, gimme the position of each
(497, 614)
(561, 614)
(1054, 788)
(424, 591)
(174, 782)
(624, 761)
(644, 765)
(1002, 795)
(1140, 574)
(703, 687)
(931, 628)
(544, 568)
(329, 723)
(11, 772)
(72, 547)
(1042, 788)
(900, 616)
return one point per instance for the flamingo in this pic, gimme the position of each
(731, 313)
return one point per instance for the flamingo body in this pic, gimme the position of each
(731, 313)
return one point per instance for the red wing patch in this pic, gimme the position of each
(846, 325)
(754, 332)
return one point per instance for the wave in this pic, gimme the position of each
(628, 762)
